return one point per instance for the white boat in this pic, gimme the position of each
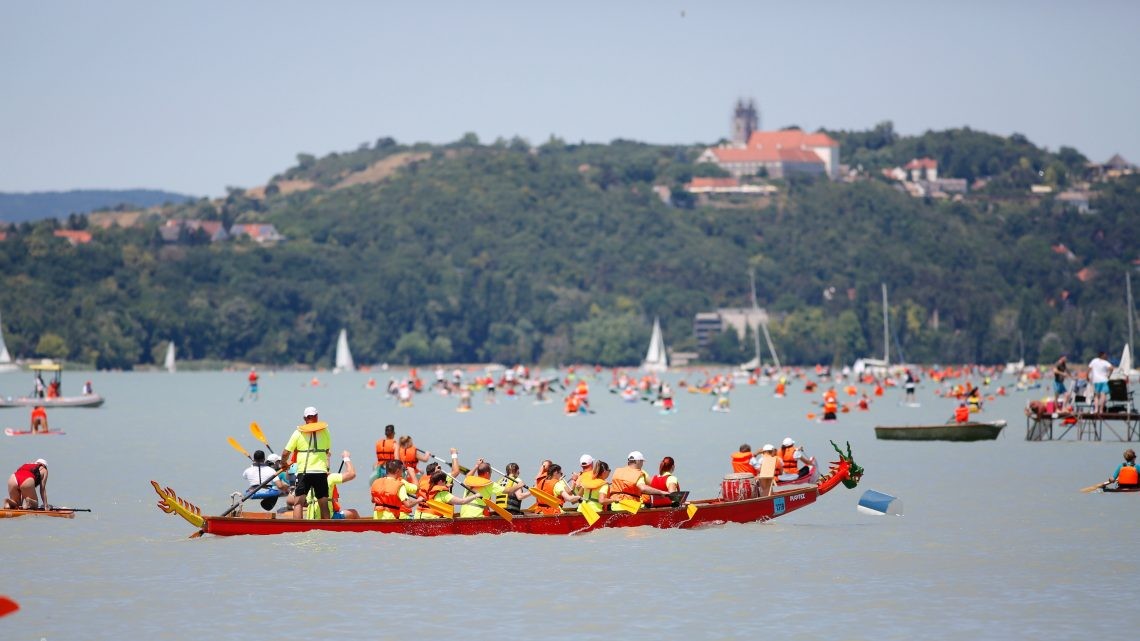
(1124, 370)
(6, 364)
(655, 358)
(168, 364)
(343, 355)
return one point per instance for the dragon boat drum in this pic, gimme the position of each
(738, 486)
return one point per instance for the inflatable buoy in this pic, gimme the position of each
(811, 416)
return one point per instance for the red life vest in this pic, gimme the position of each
(385, 450)
(660, 482)
(788, 460)
(962, 414)
(386, 496)
(1128, 476)
(741, 462)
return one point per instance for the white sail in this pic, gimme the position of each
(168, 364)
(655, 358)
(343, 356)
(1124, 370)
(6, 364)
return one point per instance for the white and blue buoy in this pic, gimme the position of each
(878, 504)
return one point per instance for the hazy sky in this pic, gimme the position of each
(194, 97)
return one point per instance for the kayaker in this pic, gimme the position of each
(790, 458)
(22, 486)
(393, 496)
(743, 460)
(411, 457)
(665, 481)
(1125, 475)
(630, 482)
(311, 444)
(39, 419)
(385, 451)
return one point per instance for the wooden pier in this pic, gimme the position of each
(1125, 426)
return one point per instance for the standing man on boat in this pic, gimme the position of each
(311, 444)
(22, 486)
(1099, 369)
(385, 451)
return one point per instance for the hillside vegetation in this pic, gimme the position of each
(564, 253)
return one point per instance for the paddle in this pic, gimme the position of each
(490, 502)
(462, 469)
(255, 429)
(250, 492)
(542, 495)
(7, 606)
(1093, 488)
(237, 446)
(589, 511)
(444, 510)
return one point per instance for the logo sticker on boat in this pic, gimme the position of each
(778, 505)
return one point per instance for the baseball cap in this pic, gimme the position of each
(273, 458)
(586, 460)
(42, 462)
(309, 411)
(788, 442)
(768, 447)
(636, 456)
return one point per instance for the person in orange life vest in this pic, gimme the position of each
(585, 462)
(393, 497)
(830, 405)
(311, 444)
(425, 482)
(743, 460)
(554, 485)
(1125, 474)
(630, 482)
(665, 480)
(573, 404)
(439, 491)
(543, 470)
(385, 451)
(791, 457)
(864, 403)
(962, 413)
(22, 486)
(39, 419)
(411, 457)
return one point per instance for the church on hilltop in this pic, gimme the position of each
(776, 154)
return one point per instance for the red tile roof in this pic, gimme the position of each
(73, 236)
(764, 155)
(790, 138)
(922, 163)
(709, 183)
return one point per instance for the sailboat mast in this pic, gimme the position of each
(756, 325)
(886, 329)
(1128, 289)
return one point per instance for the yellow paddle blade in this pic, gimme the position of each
(545, 497)
(237, 446)
(691, 510)
(631, 505)
(255, 429)
(440, 508)
(499, 510)
(590, 512)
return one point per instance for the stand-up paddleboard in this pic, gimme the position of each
(9, 431)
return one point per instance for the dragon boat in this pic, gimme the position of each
(699, 513)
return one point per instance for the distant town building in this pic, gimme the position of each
(1114, 167)
(919, 178)
(263, 233)
(706, 325)
(726, 186)
(922, 169)
(1077, 199)
(745, 121)
(778, 154)
(172, 230)
(74, 237)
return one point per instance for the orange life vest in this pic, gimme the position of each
(385, 450)
(1128, 476)
(742, 462)
(788, 460)
(624, 483)
(830, 406)
(962, 414)
(411, 461)
(334, 498)
(661, 482)
(39, 412)
(547, 485)
(386, 496)
(425, 490)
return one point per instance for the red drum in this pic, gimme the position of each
(738, 486)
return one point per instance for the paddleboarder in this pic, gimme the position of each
(253, 379)
(311, 444)
(22, 486)
(39, 419)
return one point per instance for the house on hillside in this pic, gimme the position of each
(172, 230)
(919, 178)
(726, 186)
(779, 154)
(261, 233)
(706, 325)
(73, 236)
(1077, 199)
(1114, 167)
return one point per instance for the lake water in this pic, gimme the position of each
(995, 542)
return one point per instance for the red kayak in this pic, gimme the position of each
(695, 514)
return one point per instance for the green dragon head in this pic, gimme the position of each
(855, 472)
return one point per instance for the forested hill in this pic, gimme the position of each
(565, 253)
(19, 207)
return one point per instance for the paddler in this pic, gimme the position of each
(554, 485)
(39, 419)
(393, 496)
(790, 458)
(630, 482)
(407, 454)
(1125, 475)
(592, 486)
(665, 480)
(439, 491)
(511, 502)
(479, 480)
(769, 463)
(22, 486)
(334, 480)
(385, 451)
(310, 443)
(744, 461)
(424, 483)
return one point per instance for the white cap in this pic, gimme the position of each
(635, 456)
(586, 460)
(768, 447)
(42, 462)
(309, 411)
(788, 442)
(273, 458)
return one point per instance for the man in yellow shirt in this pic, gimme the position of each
(311, 443)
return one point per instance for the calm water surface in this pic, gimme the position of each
(995, 543)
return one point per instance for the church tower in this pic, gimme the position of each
(745, 120)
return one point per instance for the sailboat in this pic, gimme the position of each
(6, 364)
(875, 367)
(761, 323)
(343, 355)
(655, 358)
(168, 363)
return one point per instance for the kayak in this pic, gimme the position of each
(11, 431)
(695, 514)
(63, 513)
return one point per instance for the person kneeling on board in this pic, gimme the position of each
(22, 486)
